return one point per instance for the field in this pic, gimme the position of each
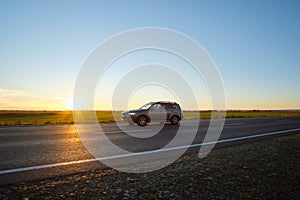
(12, 118)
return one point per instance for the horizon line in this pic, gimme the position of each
(193, 110)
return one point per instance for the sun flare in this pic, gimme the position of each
(68, 104)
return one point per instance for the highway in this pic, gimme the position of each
(35, 152)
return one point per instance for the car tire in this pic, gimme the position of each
(142, 120)
(175, 120)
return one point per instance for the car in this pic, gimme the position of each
(161, 111)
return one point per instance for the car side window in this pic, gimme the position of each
(156, 106)
(167, 106)
(171, 106)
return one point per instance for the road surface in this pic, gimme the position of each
(36, 152)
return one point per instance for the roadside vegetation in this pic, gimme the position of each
(13, 118)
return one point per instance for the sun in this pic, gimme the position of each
(68, 103)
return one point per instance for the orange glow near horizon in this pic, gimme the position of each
(19, 100)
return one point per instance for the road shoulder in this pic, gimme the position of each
(266, 169)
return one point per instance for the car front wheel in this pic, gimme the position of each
(142, 120)
(174, 120)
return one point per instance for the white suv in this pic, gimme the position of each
(161, 111)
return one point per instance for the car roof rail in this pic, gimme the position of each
(172, 102)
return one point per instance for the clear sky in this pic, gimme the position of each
(255, 44)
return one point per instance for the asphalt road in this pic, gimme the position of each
(36, 152)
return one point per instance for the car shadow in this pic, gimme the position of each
(135, 144)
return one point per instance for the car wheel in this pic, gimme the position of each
(174, 120)
(142, 120)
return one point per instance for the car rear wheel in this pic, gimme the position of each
(174, 120)
(142, 120)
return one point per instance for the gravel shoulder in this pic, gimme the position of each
(266, 169)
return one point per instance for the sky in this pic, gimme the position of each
(254, 44)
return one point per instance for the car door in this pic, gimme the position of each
(157, 112)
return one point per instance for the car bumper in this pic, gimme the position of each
(128, 118)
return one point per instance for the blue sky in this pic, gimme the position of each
(255, 44)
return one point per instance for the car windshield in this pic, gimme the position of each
(146, 106)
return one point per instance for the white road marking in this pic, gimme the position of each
(143, 153)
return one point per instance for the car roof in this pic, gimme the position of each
(170, 102)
